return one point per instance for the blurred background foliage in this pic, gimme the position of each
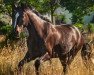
(79, 25)
(78, 8)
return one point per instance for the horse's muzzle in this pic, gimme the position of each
(18, 30)
(17, 36)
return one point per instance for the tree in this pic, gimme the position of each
(78, 8)
(44, 6)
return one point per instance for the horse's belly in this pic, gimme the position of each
(66, 47)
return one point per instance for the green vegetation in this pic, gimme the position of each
(6, 29)
(78, 8)
(87, 28)
(90, 27)
(79, 25)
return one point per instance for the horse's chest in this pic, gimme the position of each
(39, 46)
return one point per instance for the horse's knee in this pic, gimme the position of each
(45, 57)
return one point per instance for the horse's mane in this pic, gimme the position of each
(26, 6)
(41, 16)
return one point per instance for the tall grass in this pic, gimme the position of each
(10, 57)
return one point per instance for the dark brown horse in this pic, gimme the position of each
(46, 40)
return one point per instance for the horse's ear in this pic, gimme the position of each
(15, 6)
(24, 5)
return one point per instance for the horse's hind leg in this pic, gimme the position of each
(86, 54)
(65, 69)
(86, 51)
(64, 63)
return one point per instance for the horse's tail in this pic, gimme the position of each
(86, 51)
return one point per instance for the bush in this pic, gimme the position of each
(90, 27)
(79, 25)
(6, 29)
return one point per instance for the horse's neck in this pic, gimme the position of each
(38, 23)
(40, 26)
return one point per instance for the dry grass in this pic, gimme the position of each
(2, 38)
(9, 58)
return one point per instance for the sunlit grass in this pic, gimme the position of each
(10, 57)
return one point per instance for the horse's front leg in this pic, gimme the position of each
(26, 59)
(40, 60)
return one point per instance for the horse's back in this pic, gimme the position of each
(65, 30)
(68, 29)
(64, 27)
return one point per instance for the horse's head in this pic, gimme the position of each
(21, 19)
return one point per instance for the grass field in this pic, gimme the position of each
(10, 57)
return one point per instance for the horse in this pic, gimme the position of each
(46, 40)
